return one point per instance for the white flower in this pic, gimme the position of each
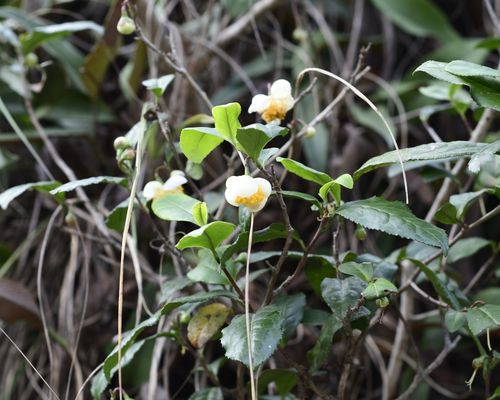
(154, 189)
(274, 107)
(247, 191)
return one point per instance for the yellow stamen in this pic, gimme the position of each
(251, 201)
(276, 110)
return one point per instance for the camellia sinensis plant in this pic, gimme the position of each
(241, 286)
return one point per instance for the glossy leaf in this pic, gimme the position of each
(304, 171)
(226, 119)
(206, 322)
(209, 236)
(253, 138)
(292, 310)
(418, 17)
(377, 288)
(333, 187)
(301, 196)
(363, 271)
(128, 340)
(265, 334)
(394, 218)
(175, 207)
(200, 213)
(197, 143)
(12, 193)
(455, 210)
(482, 318)
(46, 33)
(437, 70)
(200, 298)
(466, 68)
(439, 286)
(454, 320)
(343, 295)
(284, 379)
(465, 248)
(173, 285)
(433, 151)
(158, 85)
(318, 355)
(207, 270)
(70, 186)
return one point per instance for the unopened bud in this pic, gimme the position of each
(121, 143)
(128, 154)
(126, 25)
(299, 35)
(310, 132)
(184, 318)
(31, 60)
(70, 219)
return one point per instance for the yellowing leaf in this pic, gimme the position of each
(206, 322)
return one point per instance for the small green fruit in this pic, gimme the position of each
(310, 132)
(184, 318)
(126, 25)
(299, 35)
(360, 233)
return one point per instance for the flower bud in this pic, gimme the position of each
(360, 233)
(184, 317)
(121, 143)
(126, 25)
(128, 154)
(299, 35)
(310, 132)
(70, 219)
(31, 60)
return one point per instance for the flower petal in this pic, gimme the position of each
(265, 186)
(259, 103)
(243, 185)
(150, 189)
(281, 89)
(174, 182)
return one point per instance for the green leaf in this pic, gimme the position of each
(363, 271)
(454, 320)
(197, 143)
(377, 288)
(12, 193)
(207, 394)
(394, 218)
(333, 187)
(206, 322)
(316, 270)
(455, 210)
(45, 33)
(437, 70)
(209, 236)
(482, 318)
(171, 286)
(265, 334)
(485, 91)
(116, 218)
(226, 120)
(304, 171)
(128, 340)
(273, 231)
(465, 248)
(439, 286)
(175, 207)
(433, 151)
(158, 85)
(292, 309)
(200, 298)
(321, 350)
(418, 17)
(200, 213)
(342, 295)
(284, 379)
(465, 68)
(253, 138)
(207, 270)
(300, 196)
(265, 155)
(70, 186)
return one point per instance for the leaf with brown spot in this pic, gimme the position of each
(16, 303)
(206, 322)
